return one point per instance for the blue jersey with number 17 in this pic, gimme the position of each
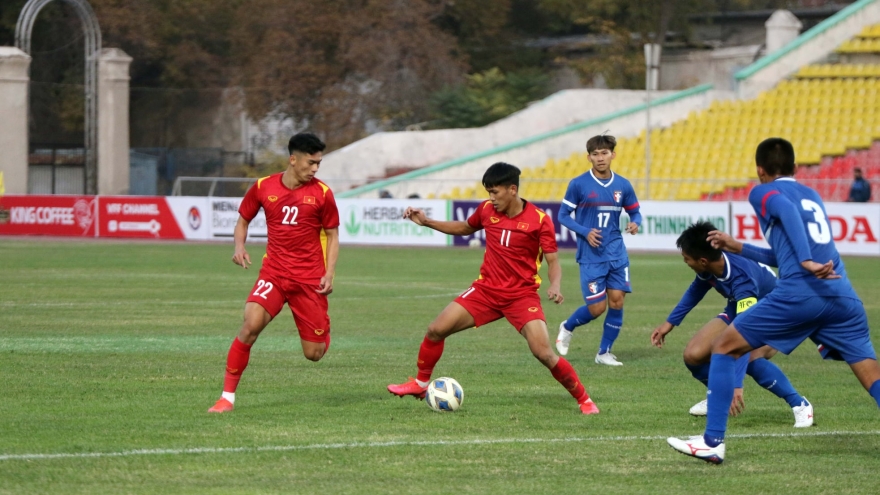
(597, 204)
(795, 224)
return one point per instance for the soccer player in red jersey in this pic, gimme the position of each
(518, 237)
(300, 261)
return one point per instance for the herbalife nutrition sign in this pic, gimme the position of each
(380, 221)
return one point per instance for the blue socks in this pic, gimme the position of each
(875, 392)
(721, 378)
(613, 322)
(700, 372)
(742, 364)
(581, 316)
(769, 376)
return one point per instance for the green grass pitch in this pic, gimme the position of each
(111, 353)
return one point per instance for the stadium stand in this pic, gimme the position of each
(829, 111)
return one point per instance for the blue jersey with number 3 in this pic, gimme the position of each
(795, 224)
(597, 204)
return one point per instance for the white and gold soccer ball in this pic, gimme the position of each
(444, 395)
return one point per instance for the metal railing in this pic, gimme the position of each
(696, 189)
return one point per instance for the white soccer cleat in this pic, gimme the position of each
(608, 359)
(803, 414)
(563, 339)
(700, 408)
(696, 447)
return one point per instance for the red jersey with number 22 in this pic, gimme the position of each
(295, 220)
(515, 246)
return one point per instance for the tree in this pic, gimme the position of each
(486, 97)
(338, 65)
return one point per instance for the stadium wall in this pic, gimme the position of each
(810, 47)
(536, 150)
(373, 156)
(855, 226)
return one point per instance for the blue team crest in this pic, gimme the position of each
(593, 286)
(617, 196)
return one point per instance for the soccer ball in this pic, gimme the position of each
(444, 395)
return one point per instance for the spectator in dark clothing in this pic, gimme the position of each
(860, 192)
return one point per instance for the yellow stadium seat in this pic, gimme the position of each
(824, 110)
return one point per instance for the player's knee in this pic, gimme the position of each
(545, 357)
(248, 334)
(615, 301)
(314, 354)
(694, 356)
(436, 332)
(597, 309)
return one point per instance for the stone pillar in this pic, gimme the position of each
(782, 28)
(113, 140)
(14, 65)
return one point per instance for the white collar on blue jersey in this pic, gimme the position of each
(600, 181)
(727, 266)
(790, 179)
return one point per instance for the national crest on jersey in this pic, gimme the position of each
(295, 221)
(515, 247)
(617, 196)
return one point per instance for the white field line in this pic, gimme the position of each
(370, 445)
(101, 304)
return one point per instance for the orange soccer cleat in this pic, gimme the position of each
(588, 407)
(221, 406)
(409, 388)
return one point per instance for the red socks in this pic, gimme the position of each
(236, 362)
(567, 376)
(429, 354)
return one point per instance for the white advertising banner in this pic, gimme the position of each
(854, 226)
(192, 215)
(224, 216)
(380, 221)
(664, 221)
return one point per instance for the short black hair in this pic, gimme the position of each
(693, 243)
(601, 142)
(776, 156)
(305, 142)
(501, 174)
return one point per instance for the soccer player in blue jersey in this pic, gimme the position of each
(597, 199)
(743, 283)
(812, 299)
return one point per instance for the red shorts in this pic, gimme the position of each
(308, 307)
(487, 305)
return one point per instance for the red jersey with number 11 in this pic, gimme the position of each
(515, 246)
(295, 220)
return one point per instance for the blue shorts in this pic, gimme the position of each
(729, 313)
(597, 277)
(840, 323)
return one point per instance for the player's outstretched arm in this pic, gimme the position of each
(658, 336)
(241, 256)
(418, 217)
(724, 241)
(325, 286)
(554, 273)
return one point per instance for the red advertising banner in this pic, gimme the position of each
(48, 215)
(137, 216)
(855, 227)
